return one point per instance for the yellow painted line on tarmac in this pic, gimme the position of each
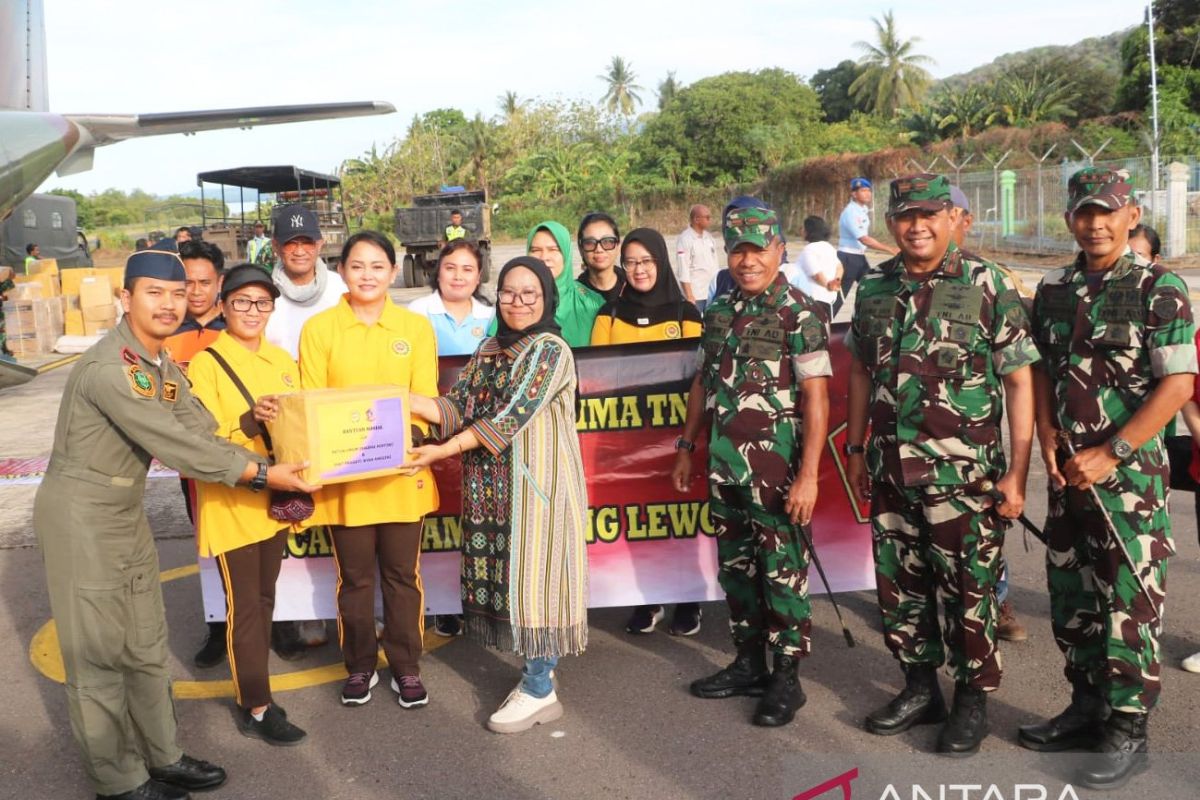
(46, 657)
(62, 362)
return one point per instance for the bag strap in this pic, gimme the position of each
(266, 437)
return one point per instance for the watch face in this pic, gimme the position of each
(1121, 448)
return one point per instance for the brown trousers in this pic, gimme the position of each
(248, 575)
(396, 548)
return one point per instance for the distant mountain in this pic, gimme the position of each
(1100, 52)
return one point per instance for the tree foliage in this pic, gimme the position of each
(893, 75)
(833, 88)
(622, 94)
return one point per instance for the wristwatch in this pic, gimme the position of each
(683, 444)
(1120, 448)
(853, 449)
(259, 481)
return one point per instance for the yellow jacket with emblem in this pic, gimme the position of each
(337, 350)
(231, 518)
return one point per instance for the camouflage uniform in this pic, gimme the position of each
(755, 353)
(1105, 348)
(7, 285)
(936, 348)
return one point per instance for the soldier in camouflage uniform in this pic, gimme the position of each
(763, 369)
(1116, 333)
(939, 346)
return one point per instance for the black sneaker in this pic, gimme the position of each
(643, 619)
(686, 621)
(273, 729)
(285, 640)
(357, 689)
(448, 625)
(213, 651)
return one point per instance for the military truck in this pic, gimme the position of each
(421, 228)
(284, 184)
(47, 220)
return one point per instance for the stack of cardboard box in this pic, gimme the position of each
(96, 307)
(32, 326)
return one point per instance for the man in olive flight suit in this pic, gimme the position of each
(125, 403)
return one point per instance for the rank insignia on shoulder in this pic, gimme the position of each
(128, 356)
(170, 391)
(141, 383)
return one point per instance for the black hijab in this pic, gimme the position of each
(665, 301)
(505, 335)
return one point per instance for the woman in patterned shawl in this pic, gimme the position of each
(524, 515)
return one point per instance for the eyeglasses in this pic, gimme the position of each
(294, 244)
(243, 304)
(606, 243)
(641, 263)
(527, 297)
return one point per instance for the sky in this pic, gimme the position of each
(142, 56)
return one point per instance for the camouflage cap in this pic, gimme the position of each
(925, 191)
(1104, 187)
(758, 225)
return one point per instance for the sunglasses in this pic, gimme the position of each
(588, 245)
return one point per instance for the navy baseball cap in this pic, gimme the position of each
(293, 221)
(859, 183)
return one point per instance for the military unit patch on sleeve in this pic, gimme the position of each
(140, 382)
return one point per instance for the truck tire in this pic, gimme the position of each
(485, 268)
(407, 276)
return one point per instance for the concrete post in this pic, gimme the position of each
(1177, 181)
(1008, 182)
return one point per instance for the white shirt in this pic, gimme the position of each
(283, 328)
(696, 254)
(817, 259)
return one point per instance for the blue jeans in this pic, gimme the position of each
(1002, 584)
(535, 677)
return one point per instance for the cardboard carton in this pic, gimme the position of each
(98, 327)
(44, 266)
(73, 323)
(95, 290)
(26, 291)
(48, 281)
(70, 278)
(344, 434)
(115, 275)
(99, 313)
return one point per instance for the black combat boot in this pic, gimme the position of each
(783, 696)
(747, 675)
(1123, 752)
(919, 703)
(1078, 727)
(967, 724)
(213, 651)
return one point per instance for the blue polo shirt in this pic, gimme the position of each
(455, 338)
(853, 224)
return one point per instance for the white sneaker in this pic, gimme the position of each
(521, 711)
(1191, 663)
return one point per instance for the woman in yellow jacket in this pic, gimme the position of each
(232, 523)
(651, 307)
(368, 340)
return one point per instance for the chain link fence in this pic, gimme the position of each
(1040, 198)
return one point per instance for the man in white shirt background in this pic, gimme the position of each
(306, 284)
(696, 253)
(854, 235)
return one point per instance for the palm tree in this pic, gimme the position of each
(510, 104)
(967, 111)
(622, 92)
(668, 87)
(892, 76)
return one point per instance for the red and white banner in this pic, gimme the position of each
(647, 543)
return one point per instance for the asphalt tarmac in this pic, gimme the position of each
(631, 729)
